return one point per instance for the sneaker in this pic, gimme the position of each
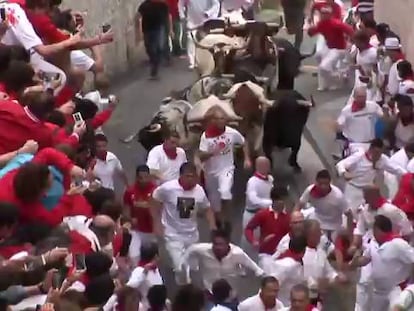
(322, 89)
(191, 67)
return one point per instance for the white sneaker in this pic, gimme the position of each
(191, 67)
(322, 89)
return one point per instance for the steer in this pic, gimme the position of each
(215, 52)
(250, 103)
(284, 123)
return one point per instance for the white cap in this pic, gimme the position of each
(392, 43)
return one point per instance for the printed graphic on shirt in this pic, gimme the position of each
(223, 143)
(185, 206)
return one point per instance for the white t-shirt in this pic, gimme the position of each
(180, 207)
(20, 30)
(359, 126)
(224, 161)
(220, 308)
(168, 169)
(144, 281)
(329, 209)
(106, 170)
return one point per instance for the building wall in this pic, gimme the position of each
(399, 15)
(123, 52)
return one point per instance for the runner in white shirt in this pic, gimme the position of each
(266, 299)
(357, 121)
(316, 266)
(222, 297)
(363, 169)
(394, 53)
(147, 273)
(258, 189)
(288, 267)
(165, 160)
(175, 211)
(402, 125)
(220, 260)
(195, 13)
(366, 64)
(406, 74)
(391, 263)
(216, 152)
(329, 203)
(403, 158)
(375, 205)
(107, 165)
(299, 299)
(405, 301)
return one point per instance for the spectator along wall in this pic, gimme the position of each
(399, 15)
(124, 51)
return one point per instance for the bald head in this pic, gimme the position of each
(103, 221)
(360, 95)
(296, 216)
(104, 228)
(262, 165)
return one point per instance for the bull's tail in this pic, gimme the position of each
(305, 56)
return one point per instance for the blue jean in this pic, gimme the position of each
(154, 41)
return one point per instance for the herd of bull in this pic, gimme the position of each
(247, 71)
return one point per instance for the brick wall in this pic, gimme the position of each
(399, 15)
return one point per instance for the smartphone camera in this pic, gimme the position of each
(80, 264)
(106, 28)
(77, 117)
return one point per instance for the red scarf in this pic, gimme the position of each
(289, 254)
(102, 156)
(380, 202)
(185, 186)
(317, 193)
(143, 263)
(400, 56)
(261, 176)
(356, 106)
(171, 153)
(309, 307)
(387, 237)
(84, 279)
(213, 131)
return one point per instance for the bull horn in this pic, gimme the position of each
(228, 75)
(217, 31)
(261, 79)
(156, 127)
(272, 24)
(306, 103)
(197, 44)
(244, 46)
(281, 49)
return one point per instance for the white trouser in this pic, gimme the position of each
(191, 47)
(40, 64)
(354, 196)
(81, 60)
(137, 239)
(218, 187)
(363, 296)
(265, 262)
(327, 66)
(176, 247)
(381, 298)
(321, 48)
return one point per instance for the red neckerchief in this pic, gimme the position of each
(261, 176)
(356, 106)
(267, 307)
(400, 56)
(317, 193)
(143, 263)
(368, 46)
(213, 131)
(387, 237)
(102, 156)
(312, 246)
(309, 307)
(143, 191)
(289, 254)
(184, 185)
(380, 202)
(84, 279)
(171, 153)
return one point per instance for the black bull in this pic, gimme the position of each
(283, 125)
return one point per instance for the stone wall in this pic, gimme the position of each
(399, 15)
(123, 52)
